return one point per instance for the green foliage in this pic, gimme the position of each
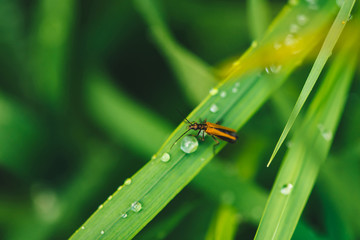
(91, 91)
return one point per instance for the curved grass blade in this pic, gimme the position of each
(309, 149)
(190, 70)
(324, 54)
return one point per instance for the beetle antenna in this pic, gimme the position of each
(187, 121)
(179, 138)
(183, 115)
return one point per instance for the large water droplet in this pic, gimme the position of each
(165, 157)
(214, 108)
(102, 232)
(136, 206)
(189, 144)
(287, 189)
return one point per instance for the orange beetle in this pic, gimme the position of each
(214, 130)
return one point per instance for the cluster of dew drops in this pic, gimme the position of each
(134, 207)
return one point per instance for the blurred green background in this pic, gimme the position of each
(86, 98)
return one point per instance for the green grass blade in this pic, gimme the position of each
(233, 102)
(51, 35)
(162, 228)
(190, 70)
(324, 54)
(309, 149)
(258, 14)
(224, 224)
(120, 117)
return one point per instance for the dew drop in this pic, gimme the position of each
(267, 70)
(223, 94)
(136, 206)
(102, 232)
(119, 188)
(153, 157)
(110, 197)
(287, 189)
(213, 91)
(82, 227)
(127, 181)
(124, 215)
(165, 157)
(302, 19)
(189, 144)
(325, 133)
(101, 206)
(294, 28)
(214, 108)
(275, 68)
(234, 89)
(290, 39)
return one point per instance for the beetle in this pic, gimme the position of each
(212, 129)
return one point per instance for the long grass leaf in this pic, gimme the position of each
(324, 54)
(309, 149)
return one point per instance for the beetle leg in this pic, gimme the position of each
(196, 135)
(199, 132)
